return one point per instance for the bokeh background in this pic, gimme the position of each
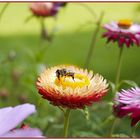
(22, 59)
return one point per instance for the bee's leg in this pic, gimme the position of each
(58, 78)
(73, 78)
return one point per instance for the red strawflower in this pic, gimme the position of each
(71, 87)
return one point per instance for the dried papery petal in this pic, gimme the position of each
(75, 88)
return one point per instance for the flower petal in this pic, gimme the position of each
(13, 116)
(128, 103)
(4, 112)
(30, 132)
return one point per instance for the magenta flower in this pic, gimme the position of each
(128, 103)
(10, 117)
(123, 32)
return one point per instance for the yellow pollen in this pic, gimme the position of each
(125, 24)
(67, 81)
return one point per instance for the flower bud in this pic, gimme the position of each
(4, 93)
(23, 99)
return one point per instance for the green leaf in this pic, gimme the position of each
(128, 82)
(84, 134)
(107, 120)
(120, 135)
(112, 85)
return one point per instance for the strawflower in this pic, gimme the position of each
(128, 104)
(124, 32)
(71, 87)
(46, 9)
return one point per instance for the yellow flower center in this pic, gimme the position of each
(67, 81)
(125, 24)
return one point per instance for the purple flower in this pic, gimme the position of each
(128, 103)
(123, 32)
(10, 117)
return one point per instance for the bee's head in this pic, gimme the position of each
(57, 72)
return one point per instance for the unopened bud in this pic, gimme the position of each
(23, 99)
(4, 93)
(15, 75)
(11, 55)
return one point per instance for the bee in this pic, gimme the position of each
(64, 72)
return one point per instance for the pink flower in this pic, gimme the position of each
(46, 9)
(128, 103)
(123, 32)
(10, 117)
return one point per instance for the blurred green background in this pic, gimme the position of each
(22, 59)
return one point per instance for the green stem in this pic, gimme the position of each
(42, 23)
(90, 10)
(3, 9)
(133, 131)
(44, 33)
(66, 122)
(115, 121)
(42, 50)
(118, 69)
(93, 41)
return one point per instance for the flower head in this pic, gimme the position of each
(128, 103)
(70, 86)
(10, 117)
(45, 9)
(123, 32)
